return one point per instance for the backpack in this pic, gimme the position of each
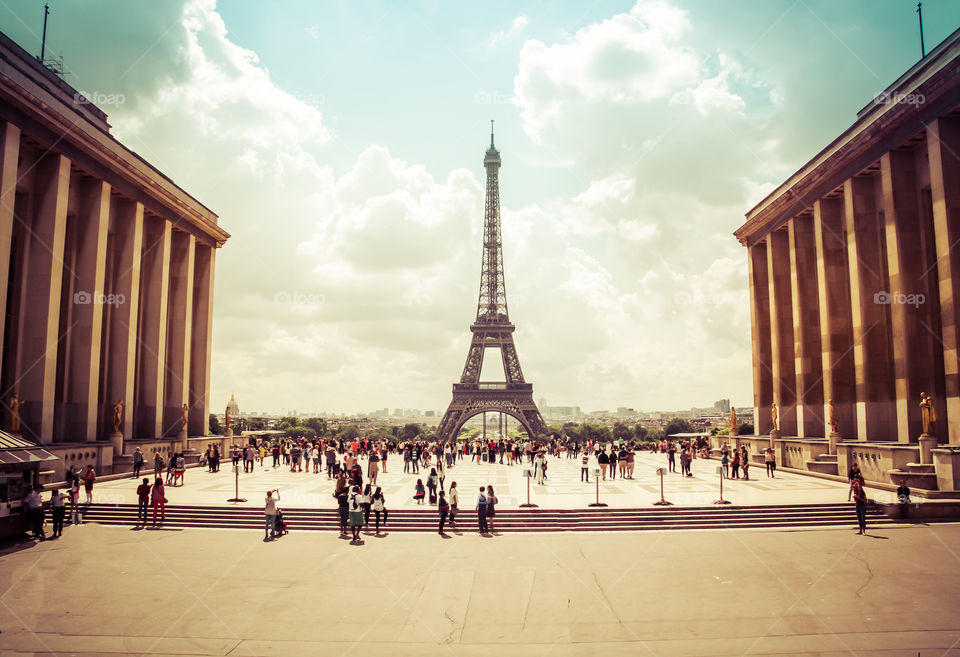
(444, 506)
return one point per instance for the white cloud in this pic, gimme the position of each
(517, 26)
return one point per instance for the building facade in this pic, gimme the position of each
(107, 277)
(854, 266)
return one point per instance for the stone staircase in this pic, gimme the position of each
(824, 464)
(794, 516)
(916, 475)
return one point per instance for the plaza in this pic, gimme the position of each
(824, 593)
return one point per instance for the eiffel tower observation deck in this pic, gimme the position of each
(492, 330)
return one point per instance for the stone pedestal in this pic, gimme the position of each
(228, 434)
(182, 439)
(832, 441)
(774, 437)
(927, 444)
(116, 439)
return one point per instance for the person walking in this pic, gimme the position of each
(482, 510)
(454, 502)
(379, 505)
(159, 499)
(342, 493)
(143, 500)
(418, 491)
(432, 481)
(745, 464)
(860, 502)
(270, 515)
(443, 508)
(441, 469)
(157, 463)
(58, 509)
(137, 462)
(614, 458)
(373, 466)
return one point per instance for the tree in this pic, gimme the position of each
(640, 432)
(215, 428)
(622, 432)
(411, 431)
(677, 425)
(301, 431)
(318, 424)
(256, 425)
(349, 432)
(745, 429)
(285, 423)
(599, 432)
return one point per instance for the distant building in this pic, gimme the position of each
(722, 405)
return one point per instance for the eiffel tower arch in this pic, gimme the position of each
(492, 329)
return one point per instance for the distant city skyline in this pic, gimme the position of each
(341, 145)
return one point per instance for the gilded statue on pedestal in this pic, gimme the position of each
(927, 412)
(117, 416)
(15, 404)
(774, 418)
(733, 421)
(832, 418)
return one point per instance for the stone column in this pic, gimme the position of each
(760, 337)
(781, 330)
(806, 329)
(88, 301)
(911, 323)
(9, 154)
(44, 275)
(125, 246)
(836, 337)
(866, 255)
(201, 334)
(152, 347)
(943, 147)
(179, 333)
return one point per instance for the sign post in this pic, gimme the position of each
(528, 475)
(663, 501)
(596, 477)
(236, 495)
(721, 500)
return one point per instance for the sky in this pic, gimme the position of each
(341, 144)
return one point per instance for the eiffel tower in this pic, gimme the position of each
(492, 330)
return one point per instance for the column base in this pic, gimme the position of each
(116, 439)
(182, 439)
(927, 444)
(228, 433)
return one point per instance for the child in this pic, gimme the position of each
(420, 492)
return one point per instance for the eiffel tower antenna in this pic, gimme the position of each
(492, 329)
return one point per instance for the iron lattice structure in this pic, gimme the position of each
(492, 330)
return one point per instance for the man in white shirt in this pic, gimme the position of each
(33, 506)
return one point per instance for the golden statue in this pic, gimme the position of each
(15, 404)
(733, 421)
(117, 416)
(774, 417)
(927, 412)
(183, 420)
(227, 417)
(832, 417)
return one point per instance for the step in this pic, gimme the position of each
(823, 467)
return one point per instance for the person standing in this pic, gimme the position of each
(74, 480)
(585, 468)
(89, 476)
(270, 514)
(482, 510)
(342, 493)
(373, 466)
(33, 505)
(603, 460)
(860, 502)
(443, 508)
(491, 507)
(356, 513)
(159, 499)
(672, 457)
(735, 465)
(614, 458)
(366, 502)
(58, 510)
(770, 459)
(379, 505)
(441, 469)
(157, 463)
(143, 501)
(137, 462)
(454, 502)
(432, 481)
